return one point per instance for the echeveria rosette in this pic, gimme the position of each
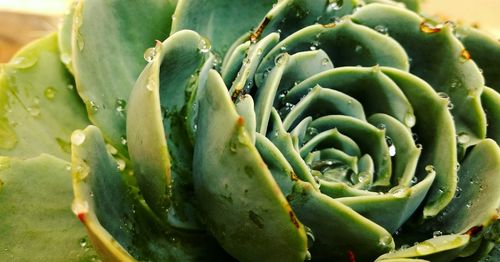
(333, 130)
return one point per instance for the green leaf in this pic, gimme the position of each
(450, 72)
(484, 50)
(120, 226)
(337, 229)
(160, 145)
(35, 216)
(442, 248)
(109, 39)
(384, 96)
(220, 21)
(491, 99)
(346, 43)
(437, 136)
(478, 196)
(232, 179)
(39, 106)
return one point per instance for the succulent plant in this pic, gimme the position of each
(291, 131)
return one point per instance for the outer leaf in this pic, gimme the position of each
(218, 20)
(437, 136)
(450, 72)
(242, 204)
(35, 217)
(443, 248)
(108, 43)
(118, 223)
(491, 101)
(168, 86)
(39, 107)
(484, 50)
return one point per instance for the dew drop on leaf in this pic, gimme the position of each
(463, 138)
(149, 54)
(49, 93)
(77, 138)
(204, 45)
(427, 28)
(23, 62)
(424, 248)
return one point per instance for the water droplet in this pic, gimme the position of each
(259, 51)
(120, 105)
(79, 41)
(427, 28)
(419, 146)
(308, 256)
(150, 54)
(34, 110)
(364, 177)
(469, 204)
(82, 170)
(78, 137)
(23, 62)
(310, 237)
(49, 93)
(381, 127)
(414, 180)
(93, 107)
(313, 47)
(334, 6)
(120, 164)
(286, 109)
(458, 192)
(437, 233)
(123, 140)
(358, 49)
(465, 55)
(325, 61)
(463, 138)
(400, 191)
(392, 150)
(311, 131)
(382, 29)
(410, 120)
(385, 241)
(430, 169)
(65, 58)
(80, 207)
(283, 48)
(68, 167)
(415, 136)
(443, 95)
(450, 105)
(70, 87)
(204, 45)
(424, 248)
(281, 59)
(111, 149)
(83, 242)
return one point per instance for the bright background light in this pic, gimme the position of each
(47, 7)
(22, 21)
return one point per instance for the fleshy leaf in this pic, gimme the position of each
(336, 228)
(437, 136)
(35, 215)
(39, 104)
(232, 179)
(119, 225)
(484, 50)
(169, 90)
(491, 101)
(442, 248)
(452, 72)
(109, 39)
(218, 20)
